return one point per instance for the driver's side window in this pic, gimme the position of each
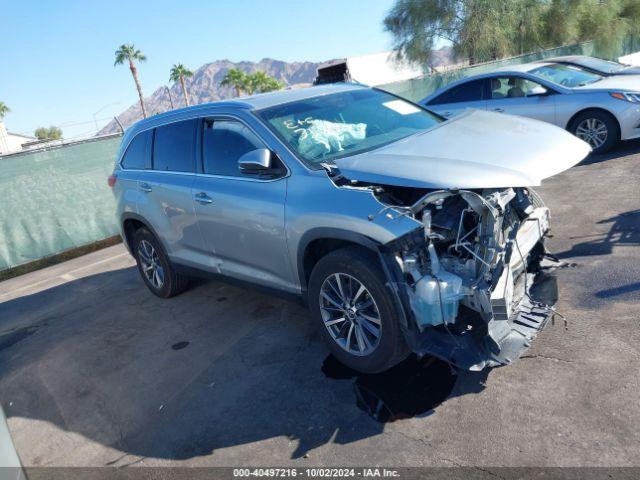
(513, 87)
(223, 143)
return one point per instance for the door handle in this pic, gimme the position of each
(447, 114)
(500, 110)
(202, 198)
(145, 187)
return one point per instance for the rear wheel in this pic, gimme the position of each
(154, 266)
(599, 129)
(355, 312)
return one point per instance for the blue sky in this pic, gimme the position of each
(57, 56)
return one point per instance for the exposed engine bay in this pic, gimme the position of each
(474, 282)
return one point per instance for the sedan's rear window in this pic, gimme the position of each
(323, 128)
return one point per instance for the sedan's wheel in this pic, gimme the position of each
(154, 266)
(356, 314)
(350, 314)
(592, 131)
(599, 129)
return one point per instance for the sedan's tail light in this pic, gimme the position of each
(112, 179)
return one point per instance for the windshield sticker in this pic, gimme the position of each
(402, 107)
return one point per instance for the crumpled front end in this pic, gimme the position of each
(475, 282)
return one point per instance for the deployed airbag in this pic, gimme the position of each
(322, 137)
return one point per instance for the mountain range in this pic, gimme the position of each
(204, 86)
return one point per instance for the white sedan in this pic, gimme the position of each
(599, 110)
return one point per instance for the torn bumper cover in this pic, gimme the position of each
(474, 283)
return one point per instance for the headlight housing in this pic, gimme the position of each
(633, 97)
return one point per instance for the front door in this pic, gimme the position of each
(521, 96)
(241, 216)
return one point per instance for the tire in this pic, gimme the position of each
(146, 247)
(584, 123)
(356, 266)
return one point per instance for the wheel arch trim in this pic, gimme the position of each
(123, 232)
(329, 234)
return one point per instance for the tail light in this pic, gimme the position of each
(112, 179)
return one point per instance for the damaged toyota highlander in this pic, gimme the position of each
(403, 232)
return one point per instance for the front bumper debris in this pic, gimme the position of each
(507, 340)
(475, 286)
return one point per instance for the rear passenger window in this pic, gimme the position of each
(174, 147)
(467, 92)
(137, 156)
(224, 142)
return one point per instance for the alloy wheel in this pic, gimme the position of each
(350, 314)
(593, 131)
(150, 263)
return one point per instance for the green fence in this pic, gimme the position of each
(418, 88)
(56, 199)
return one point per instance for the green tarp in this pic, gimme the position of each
(55, 200)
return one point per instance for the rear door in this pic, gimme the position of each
(165, 199)
(520, 96)
(241, 215)
(459, 98)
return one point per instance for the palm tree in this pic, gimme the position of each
(237, 79)
(261, 82)
(178, 73)
(129, 53)
(3, 110)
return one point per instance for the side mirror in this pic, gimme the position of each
(255, 161)
(538, 91)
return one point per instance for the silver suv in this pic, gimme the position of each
(402, 232)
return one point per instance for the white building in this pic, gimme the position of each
(12, 142)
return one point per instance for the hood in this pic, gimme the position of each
(615, 82)
(476, 149)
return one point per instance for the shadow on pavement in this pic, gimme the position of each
(623, 149)
(216, 367)
(624, 230)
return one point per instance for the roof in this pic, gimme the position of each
(265, 100)
(565, 58)
(521, 68)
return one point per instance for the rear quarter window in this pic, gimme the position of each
(138, 154)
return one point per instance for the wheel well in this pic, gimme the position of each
(594, 109)
(131, 225)
(320, 247)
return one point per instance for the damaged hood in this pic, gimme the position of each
(476, 149)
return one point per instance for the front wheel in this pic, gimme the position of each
(355, 312)
(599, 129)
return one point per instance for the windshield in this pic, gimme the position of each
(321, 129)
(565, 75)
(601, 65)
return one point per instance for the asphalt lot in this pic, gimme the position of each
(95, 371)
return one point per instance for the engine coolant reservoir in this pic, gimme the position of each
(437, 296)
